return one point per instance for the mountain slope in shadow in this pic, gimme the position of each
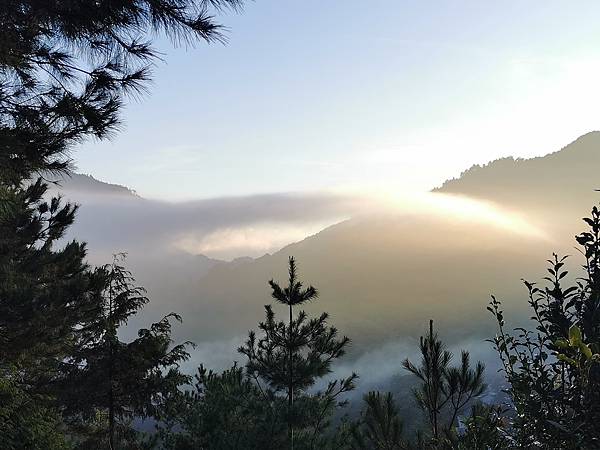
(560, 184)
(381, 278)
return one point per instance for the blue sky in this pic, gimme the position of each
(382, 96)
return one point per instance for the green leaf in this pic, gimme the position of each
(565, 358)
(575, 336)
(585, 350)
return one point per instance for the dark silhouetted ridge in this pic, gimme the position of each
(77, 182)
(563, 179)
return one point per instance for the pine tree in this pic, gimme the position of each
(444, 391)
(483, 429)
(65, 68)
(45, 294)
(249, 407)
(288, 358)
(122, 379)
(226, 411)
(27, 423)
(380, 426)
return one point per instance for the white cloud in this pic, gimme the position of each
(252, 240)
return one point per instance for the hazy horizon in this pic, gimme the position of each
(231, 227)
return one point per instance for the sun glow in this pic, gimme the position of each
(460, 208)
(257, 238)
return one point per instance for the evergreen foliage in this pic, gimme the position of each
(45, 294)
(123, 380)
(65, 67)
(380, 426)
(444, 391)
(228, 411)
(483, 429)
(25, 423)
(271, 402)
(289, 358)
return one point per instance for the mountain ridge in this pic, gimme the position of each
(581, 145)
(74, 181)
(570, 174)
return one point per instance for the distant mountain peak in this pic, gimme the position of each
(568, 176)
(78, 182)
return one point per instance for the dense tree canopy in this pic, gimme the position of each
(45, 294)
(124, 380)
(65, 69)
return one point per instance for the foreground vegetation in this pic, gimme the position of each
(85, 388)
(68, 381)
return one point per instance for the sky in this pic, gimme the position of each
(353, 96)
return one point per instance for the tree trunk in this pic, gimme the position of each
(434, 389)
(291, 388)
(111, 422)
(111, 400)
